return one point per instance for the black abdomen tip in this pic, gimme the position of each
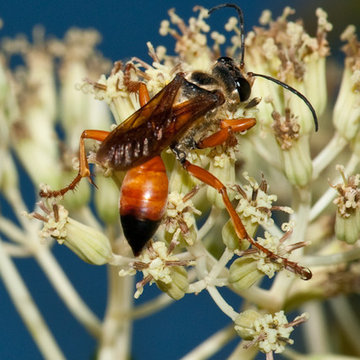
(138, 231)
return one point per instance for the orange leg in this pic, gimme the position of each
(241, 232)
(227, 128)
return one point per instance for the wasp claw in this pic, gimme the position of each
(92, 182)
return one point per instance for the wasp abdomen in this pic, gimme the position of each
(143, 201)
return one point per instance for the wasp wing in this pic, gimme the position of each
(157, 124)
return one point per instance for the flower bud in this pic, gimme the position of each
(244, 324)
(346, 116)
(230, 238)
(296, 162)
(179, 284)
(348, 228)
(347, 221)
(244, 273)
(270, 332)
(88, 243)
(298, 107)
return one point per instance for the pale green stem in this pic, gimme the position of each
(328, 154)
(152, 306)
(27, 309)
(293, 355)
(117, 326)
(244, 353)
(347, 319)
(322, 203)
(315, 329)
(220, 264)
(332, 259)
(197, 287)
(66, 291)
(119, 260)
(264, 152)
(257, 296)
(221, 303)
(50, 266)
(271, 300)
(330, 194)
(301, 207)
(209, 223)
(280, 288)
(16, 201)
(11, 231)
(212, 345)
(16, 250)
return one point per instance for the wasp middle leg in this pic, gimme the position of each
(211, 180)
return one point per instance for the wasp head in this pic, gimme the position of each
(226, 76)
(231, 77)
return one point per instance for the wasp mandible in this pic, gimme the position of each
(170, 119)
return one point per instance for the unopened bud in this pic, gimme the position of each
(244, 324)
(177, 288)
(230, 238)
(244, 273)
(348, 228)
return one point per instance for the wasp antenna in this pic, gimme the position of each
(241, 21)
(294, 91)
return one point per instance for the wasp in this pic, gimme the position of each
(171, 119)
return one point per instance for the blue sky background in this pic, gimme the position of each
(126, 26)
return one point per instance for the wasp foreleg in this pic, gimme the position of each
(228, 127)
(84, 170)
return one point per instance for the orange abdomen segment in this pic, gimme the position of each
(143, 201)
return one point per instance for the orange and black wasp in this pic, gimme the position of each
(170, 119)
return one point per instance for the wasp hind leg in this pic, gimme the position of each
(211, 180)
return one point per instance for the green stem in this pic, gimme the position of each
(27, 309)
(212, 345)
(66, 291)
(117, 326)
(328, 154)
(347, 319)
(315, 331)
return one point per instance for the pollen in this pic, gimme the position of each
(254, 203)
(275, 331)
(54, 218)
(349, 193)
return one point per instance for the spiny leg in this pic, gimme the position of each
(84, 170)
(209, 179)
